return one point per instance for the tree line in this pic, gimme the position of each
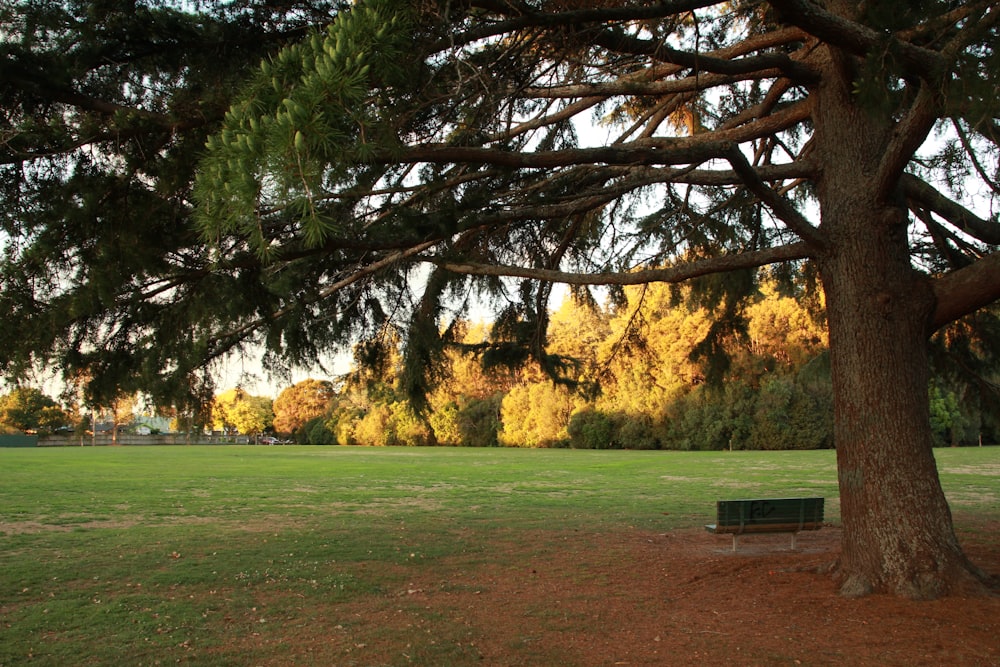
(649, 371)
(764, 384)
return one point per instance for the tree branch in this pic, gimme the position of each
(529, 18)
(973, 158)
(977, 28)
(626, 86)
(757, 111)
(567, 112)
(674, 274)
(667, 151)
(647, 80)
(858, 39)
(966, 290)
(932, 29)
(10, 153)
(987, 231)
(233, 336)
(652, 151)
(943, 240)
(781, 206)
(699, 62)
(907, 136)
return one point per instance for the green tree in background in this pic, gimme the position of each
(317, 432)
(946, 416)
(574, 333)
(28, 409)
(965, 355)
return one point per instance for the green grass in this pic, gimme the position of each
(173, 554)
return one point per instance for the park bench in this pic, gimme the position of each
(767, 515)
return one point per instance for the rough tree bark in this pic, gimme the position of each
(898, 532)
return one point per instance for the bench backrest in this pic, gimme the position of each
(770, 511)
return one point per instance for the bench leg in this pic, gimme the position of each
(736, 540)
(793, 541)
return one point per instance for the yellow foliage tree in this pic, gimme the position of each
(237, 410)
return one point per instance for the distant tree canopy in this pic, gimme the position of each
(300, 403)
(28, 409)
(394, 163)
(237, 410)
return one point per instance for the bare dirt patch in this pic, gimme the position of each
(638, 598)
(36, 527)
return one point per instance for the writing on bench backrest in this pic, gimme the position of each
(766, 511)
(760, 509)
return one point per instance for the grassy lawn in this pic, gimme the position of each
(172, 554)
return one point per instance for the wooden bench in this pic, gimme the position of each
(767, 515)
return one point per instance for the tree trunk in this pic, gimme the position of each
(898, 535)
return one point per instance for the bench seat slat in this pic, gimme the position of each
(763, 528)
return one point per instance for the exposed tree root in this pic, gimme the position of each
(954, 580)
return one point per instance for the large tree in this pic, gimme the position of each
(754, 133)
(410, 156)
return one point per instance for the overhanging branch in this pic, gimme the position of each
(778, 204)
(233, 336)
(632, 87)
(667, 151)
(858, 39)
(966, 290)
(911, 131)
(648, 151)
(525, 17)
(621, 43)
(968, 222)
(650, 80)
(673, 274)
